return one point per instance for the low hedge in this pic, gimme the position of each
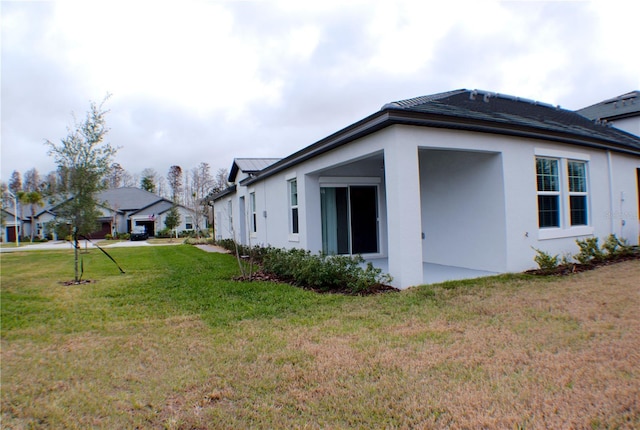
(327, 273)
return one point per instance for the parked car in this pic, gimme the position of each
(139, 233)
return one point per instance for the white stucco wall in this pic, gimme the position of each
(630, 125)
(463, 212)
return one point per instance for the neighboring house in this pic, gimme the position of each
(124, 208)
(622, 112)
(8, 232)
(241, 169)
(446, 186)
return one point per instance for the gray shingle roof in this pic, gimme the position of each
(127, 198)
(509, 111)
(249, 166)
(624, 106)
(473, 110)
(156, 208)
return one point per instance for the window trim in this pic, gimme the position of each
(293, 220)
(565, 229)
(188, 222)
(585, 193)
(555, 192)
(253, 224)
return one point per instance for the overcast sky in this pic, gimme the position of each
(196, 81)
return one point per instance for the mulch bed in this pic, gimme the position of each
(374, 289)
(568, 269)
(81, 282)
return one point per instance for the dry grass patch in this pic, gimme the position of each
(91, 380)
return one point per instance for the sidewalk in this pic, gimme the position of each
(212, 248)
(63, 244)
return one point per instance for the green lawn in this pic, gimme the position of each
(177, 343)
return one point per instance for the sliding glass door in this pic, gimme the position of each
(349, 219)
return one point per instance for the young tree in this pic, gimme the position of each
(83, 161)
(173, 218)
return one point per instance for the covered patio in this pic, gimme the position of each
(435, 273)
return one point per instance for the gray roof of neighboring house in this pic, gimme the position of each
(125, 199)
(229, 190)
(156, 208)
(128, 198)
(10, 214)
(478, 111)
(624, 106)
(249, 166)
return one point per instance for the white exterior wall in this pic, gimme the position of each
(43, 219)
(473, 195)
(161, 218)
(630, 125)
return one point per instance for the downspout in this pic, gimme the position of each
(611, 198)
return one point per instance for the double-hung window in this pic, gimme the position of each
(254, 217)
(577, 175)
(563, 198)
(548, 192)
(293, 207)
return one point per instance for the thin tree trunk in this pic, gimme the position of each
(75, 241)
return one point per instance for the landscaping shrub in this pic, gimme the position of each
(227, 244)
(616, 248)
(589, 255)
(165, 233)
(330, 273)
(590, 251)
(545, 261)
(323, 272)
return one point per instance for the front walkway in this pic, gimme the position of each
(435, 273)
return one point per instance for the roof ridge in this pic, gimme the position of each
(473, 94)
(415, 101)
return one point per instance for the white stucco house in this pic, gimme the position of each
(457, 184)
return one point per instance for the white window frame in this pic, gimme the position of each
(565, 229)
(574, 193)
(294, 209)
(253, 222)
